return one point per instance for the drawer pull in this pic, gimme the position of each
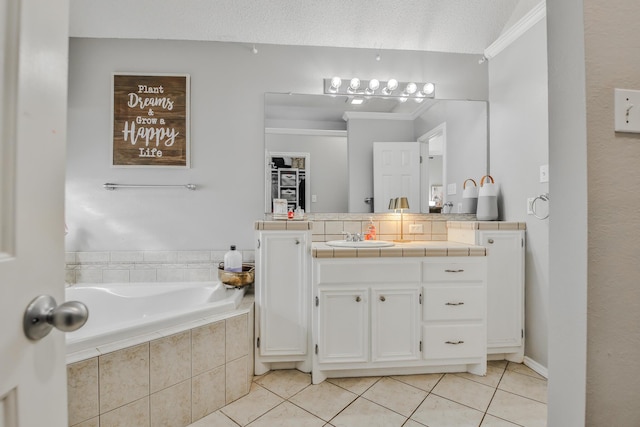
(454, 271)
(454, 342)
(382, 298)
(454, 303)
(358, 299)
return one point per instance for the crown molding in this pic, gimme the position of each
(312, 132)
(534, 16)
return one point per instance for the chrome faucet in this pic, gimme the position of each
(352, 237)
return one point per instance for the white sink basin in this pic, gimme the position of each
(362, 244)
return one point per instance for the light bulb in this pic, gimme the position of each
(411, 88)
(428, 88)
(354, 84)
(374, 84)
(392, 85)
(336, 82)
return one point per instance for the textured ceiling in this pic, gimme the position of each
(461, 26)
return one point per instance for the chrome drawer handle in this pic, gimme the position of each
(454, 303)
(454, 271)
(454, 342)
(358, 299)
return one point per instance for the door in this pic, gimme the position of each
(395, 332)
(505, 288)
(33, 93)
(343, 320)
(281, 295)
(396, 173)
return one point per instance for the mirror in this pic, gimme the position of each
(336, 138)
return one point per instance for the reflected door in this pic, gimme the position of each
(396, 173)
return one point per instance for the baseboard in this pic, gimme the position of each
(536, 367)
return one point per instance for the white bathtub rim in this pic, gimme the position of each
(84, 354)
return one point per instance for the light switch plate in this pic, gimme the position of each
(416, 229)
(627, 110)
(451, 189)
(544, 173)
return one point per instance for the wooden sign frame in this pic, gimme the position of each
(150, 120)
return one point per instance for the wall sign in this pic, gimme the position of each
(150, 120)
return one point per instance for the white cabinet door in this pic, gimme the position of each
(282, 292)
(343, 323)
(505, 287)
(395, 318)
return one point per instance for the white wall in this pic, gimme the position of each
(519, 146)
(228, 83)
(328, 165)
(466, 137)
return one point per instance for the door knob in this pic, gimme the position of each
(42, 314)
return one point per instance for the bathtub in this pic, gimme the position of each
(121, 311)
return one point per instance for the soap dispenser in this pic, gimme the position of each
(233, 260)
(371, 230)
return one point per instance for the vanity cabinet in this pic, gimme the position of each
(398, 315)
(348, 316)
(454, 309)
(282, 298)
(505, 291)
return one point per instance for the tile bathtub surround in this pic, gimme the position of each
(174, 380)
(510, 395)
(146, 266)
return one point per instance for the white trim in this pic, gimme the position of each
(519, 28)
(376, 116)
(536, 367)
(311, 132)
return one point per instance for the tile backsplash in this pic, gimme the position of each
(145, 266)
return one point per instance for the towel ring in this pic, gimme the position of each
(544, 197)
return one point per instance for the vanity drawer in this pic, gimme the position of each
(453, 303)
(454, 270)
(457, 341)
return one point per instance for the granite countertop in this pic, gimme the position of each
(409, 249)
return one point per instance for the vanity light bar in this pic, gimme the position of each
(389, 89)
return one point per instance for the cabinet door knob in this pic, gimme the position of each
(358, 299)
(490, 241)
(297, 242)
(382, 298)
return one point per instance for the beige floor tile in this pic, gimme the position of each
(524, 385)
(502, 364)
(248, 408)
(494, 374)
(363, 413)
(524, 370)
(355, 385)
(285, 383)
(216, 419)
(436, 411)
(424, 382)
(412, 423)
(287, 415)
(395, 395)
(464, 391)
(519, 410)
(324, 400)
(491, 421)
